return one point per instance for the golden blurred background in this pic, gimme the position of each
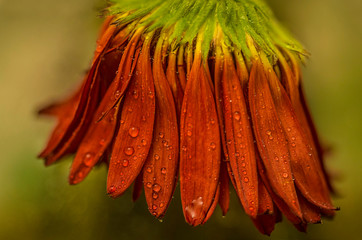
(45, 48)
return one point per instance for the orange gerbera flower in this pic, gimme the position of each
(215, 99)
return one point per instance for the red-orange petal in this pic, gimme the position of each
(160, 169)
(271, 140)
(174, 81)
(134, 136)
(239, 138)
(305, 165)
(137, 187)
(224, 199)
(200, 147)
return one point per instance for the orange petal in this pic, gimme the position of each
(311, 214)
(265, 223)
(137, 187)
(160, 168)
(98, 138)
(307, 171)
(200, 141)
(125, 70)
(265, 200)
(224, 199)
(213, 205)
(181, 67)
(279, 202)
(133, 140)
(271, 140)
(174, 82)
(239, 138)
(73, 128)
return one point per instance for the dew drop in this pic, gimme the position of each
(112, 189)
(125, 163)
(246, 179)
(154, 207)
(88, 157)
(285, 175)
(189, 133)
(268, 132)
(162, 205)
(212, 146)
(149, 170)
(143, 142)
(117, 94)
(156, 187)
(237, 116)
(293, 144)
(135, 94)
(102, 142)
(149, 185)
(163, 170)
(243, 164)
(133, 132)
(161, 134)
(129, 151)
(157, 157)
(155, 195)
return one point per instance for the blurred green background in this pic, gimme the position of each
(47, 45)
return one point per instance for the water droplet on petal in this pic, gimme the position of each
(88, 158)
(268, 132)
(102, 142)
(125, 163)
(161, 134)
(237, 116)
(163, 170)
(154, 195)
(129, 151)
(112, 189)
(149, 170)
(157, 157)
(293, 144)
(117, 94)
(189, 133)
(133, 132)
(285, 175)
(213, 146)
(156, 187)
(143, 142)
(149, 185)
(246, 179)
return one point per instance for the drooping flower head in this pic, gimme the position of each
(207, 92)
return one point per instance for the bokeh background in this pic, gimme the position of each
(45, 48)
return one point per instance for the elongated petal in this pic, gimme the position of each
(200, 141)
(265, 223)
(74, 129)
(174, 82)
(134, 136)
(279, 202)
(213, 205)
(98, 138)
(239, 138)
(307, 171)
(137, 187)
(271, 140)
(224, 199)
(125, 71)
(161, 166)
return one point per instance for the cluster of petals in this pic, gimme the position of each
(157, 113)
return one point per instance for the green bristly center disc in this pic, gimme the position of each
(183, 20)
